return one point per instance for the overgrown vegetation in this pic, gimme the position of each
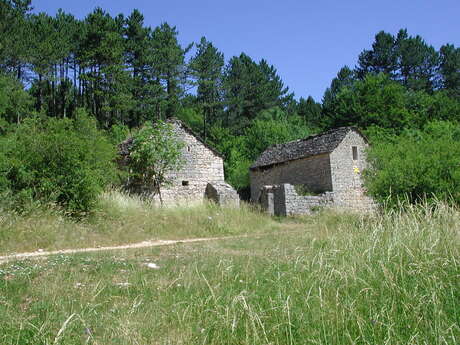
(155, 152)
(391, 279)
(120, 218)
(417, 165)
(67, 162)
(125, 73)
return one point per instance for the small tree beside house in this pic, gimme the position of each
(155, 152)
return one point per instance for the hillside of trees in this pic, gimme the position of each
(113, 74)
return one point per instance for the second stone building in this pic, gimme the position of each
(320, 170)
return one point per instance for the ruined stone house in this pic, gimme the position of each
(317, 171)
(201, 176)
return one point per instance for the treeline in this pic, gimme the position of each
(402, 81)
(123, 73)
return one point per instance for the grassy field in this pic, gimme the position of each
(392, 279)
(122, 219)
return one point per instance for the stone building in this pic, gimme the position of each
(320, 170)
(201, 176)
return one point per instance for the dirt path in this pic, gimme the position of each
(144, 244)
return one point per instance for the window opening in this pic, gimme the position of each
(354, 150)
(185, 183)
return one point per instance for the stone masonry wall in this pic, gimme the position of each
(201, 166)
(267, 199)
(222, 194)
(346, 173)
(287, 202)
(313, 172)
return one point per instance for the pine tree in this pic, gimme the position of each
(449, 69)
(206, 68)
(310, 112)
(105, 80)
(417, 62)
(381, 59)
(137, 54)
(345, 78)
(250, 88)
(14, 37)
(168, 68)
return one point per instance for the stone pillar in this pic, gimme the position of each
(279, 197)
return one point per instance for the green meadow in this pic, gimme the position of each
(332, 278)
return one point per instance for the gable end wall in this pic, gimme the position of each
(347, 182)
(201, 166)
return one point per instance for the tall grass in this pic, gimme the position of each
(120, 219)
(390, 279)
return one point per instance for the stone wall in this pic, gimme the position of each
(201, 166)
(287, 202)
(339, 172)
(313, 172)
(222, 194)
(267, 199)
(200, 163)
(346, 172)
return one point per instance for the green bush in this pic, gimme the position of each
(63, 161)
(270, 127)
(156, 152)
(15, 103)
(417, 165)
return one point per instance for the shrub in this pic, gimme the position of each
(156, 151)
(62, 161)
(15, 103)
(416, 165)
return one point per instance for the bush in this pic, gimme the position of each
(416, 165)
(62, 161)
(156, 151)
(270, 127)
(15, 103)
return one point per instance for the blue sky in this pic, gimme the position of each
(307, 41)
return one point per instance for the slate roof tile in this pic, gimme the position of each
(302, 148)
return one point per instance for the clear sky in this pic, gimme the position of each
(307, 41)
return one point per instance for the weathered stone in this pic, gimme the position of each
(222, 194)
(202, 166)
(287, 202)
(333, 171)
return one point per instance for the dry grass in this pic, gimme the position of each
(123, 219)
(391, 279)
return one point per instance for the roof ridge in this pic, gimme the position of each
(311, 145)
(123, 149)
(312, 136)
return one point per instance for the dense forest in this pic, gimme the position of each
(63, 78)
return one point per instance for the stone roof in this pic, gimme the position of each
(302, 148)
(125, 146)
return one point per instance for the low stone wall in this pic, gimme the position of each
(222, 194)
(266, 199)
(283, 200)
(354, 199)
